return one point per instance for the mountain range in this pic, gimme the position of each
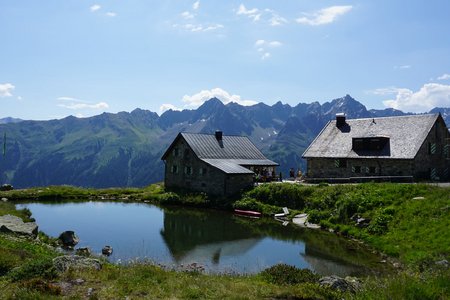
(125, 149)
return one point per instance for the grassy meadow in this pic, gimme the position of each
(406, 223)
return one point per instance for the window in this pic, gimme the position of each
(340, 163)
(356, 169)
(446, 151)
(174, 169)
(188, 170)
(176, 152)
(369, 143)
(202, 171)
(431, 148)
(372, 170)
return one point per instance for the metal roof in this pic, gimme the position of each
(229, 154)
(406, 135)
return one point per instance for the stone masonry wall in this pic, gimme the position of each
(193, 174)
(432, 160)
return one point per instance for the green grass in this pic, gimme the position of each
(415, 231)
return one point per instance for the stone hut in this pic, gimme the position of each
(405, 148)
(213, 163)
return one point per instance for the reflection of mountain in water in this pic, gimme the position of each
(191, 234)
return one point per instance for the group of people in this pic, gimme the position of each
(266, 175)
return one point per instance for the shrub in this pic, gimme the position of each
(316, 216)
(40, 268)
(286, 274)
(379, 224)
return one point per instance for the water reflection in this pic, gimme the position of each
(218, 240)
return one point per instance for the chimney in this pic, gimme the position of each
(340, 120)
(218, 135)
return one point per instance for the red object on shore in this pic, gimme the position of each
(247, 213)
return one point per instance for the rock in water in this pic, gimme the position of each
(66, 262)
(13, 224)
(68, 239)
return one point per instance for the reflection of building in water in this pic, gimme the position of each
(192, 235)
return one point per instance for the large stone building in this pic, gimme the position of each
(213, 163)
(406, 148)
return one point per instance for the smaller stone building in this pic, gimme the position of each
(213, 163)
(405, 148)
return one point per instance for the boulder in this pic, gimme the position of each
(5, 199)
(68, 239)
(66, 262)
(443, 263)
(13, 224)
(350, 284)
(83, 251)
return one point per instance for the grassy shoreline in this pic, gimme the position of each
(402, 224)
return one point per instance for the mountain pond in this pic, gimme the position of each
(219, 241)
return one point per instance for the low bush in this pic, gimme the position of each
(42, 268)
(286, 274)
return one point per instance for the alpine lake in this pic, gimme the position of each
(215, 241)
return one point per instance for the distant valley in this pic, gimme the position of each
(124, 149)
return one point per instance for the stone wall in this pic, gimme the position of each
(433, 158)
(358, 167)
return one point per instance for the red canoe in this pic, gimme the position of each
(248, 213)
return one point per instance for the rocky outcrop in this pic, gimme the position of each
(68, 239)
(350, 284)
(13, 224)
(83, 251)
(107, 250)
(66, 262)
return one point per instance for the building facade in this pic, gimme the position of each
(405, 148)
(212, 163)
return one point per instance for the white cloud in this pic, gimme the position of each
(262, 46)
(403, 67)
(253, 13)
(266, 55)
(277, 20)
(76, 104)
(95, 7)
(187, 15)
(324, 16)
(111, 14)
(6, 89)
(429, 96)
(200, 27)
(444, 77)
(167, 106)
(198, 99)
(196, 5)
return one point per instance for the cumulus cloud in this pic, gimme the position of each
(403, 67)
(429, 96)
(167, 106)
(78, 104)
(196, 5)
(95, 7)
(198, 99)
(253, 13)
(6, 89)
(324, 16)
(444, 77)
(111, 14)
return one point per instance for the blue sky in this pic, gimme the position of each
(82, 58)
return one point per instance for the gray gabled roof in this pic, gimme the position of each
(406, 135)
(228, 155)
